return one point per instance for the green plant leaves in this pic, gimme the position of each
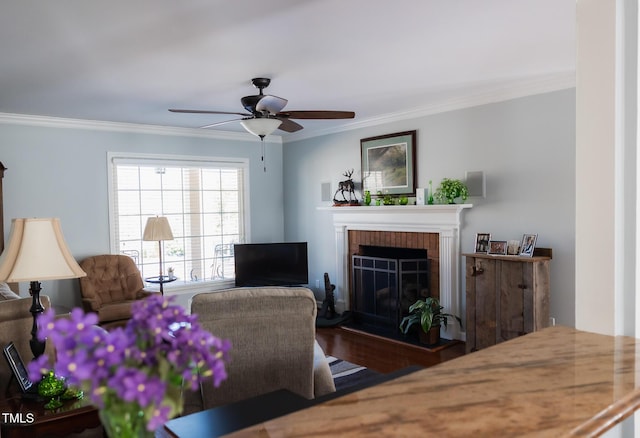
(428, 313)
(450, 189)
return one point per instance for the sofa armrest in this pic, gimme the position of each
(143, 293)
(90, 305)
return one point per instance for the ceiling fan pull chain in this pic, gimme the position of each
(264, 164)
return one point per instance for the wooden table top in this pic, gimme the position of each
(555, 382)
(32, 419)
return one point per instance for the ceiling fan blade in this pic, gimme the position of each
(220, 123)
(289, 126)
(317, 114)
(206, 112)
(272, 104)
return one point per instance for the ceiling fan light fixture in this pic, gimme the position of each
(261, 126)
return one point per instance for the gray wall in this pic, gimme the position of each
(525, 146)
(62, 172)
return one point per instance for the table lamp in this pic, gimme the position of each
(158, 229)
(36, 252)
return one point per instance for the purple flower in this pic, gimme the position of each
(139, 367)
(38, 367)
(136, 386)
(159, 416)
(76, 367)
(77, 322)
(46, 324)
(109, 346)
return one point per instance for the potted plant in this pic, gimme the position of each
(450, 189)
(428, 314)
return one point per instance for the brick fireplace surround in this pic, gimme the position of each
(435, 228)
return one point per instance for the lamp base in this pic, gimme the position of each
(37, 346)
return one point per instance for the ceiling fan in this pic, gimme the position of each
(264, 113)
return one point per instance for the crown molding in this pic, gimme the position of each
(97, 125)
(495, 94)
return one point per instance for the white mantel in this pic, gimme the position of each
(442, 219)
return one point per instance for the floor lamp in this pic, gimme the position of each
(158, 229)
(37, 252)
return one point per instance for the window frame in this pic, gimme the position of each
(116, 158)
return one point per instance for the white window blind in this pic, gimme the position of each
(203, 201)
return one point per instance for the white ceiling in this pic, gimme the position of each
(130, 60)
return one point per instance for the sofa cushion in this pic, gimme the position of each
(322, 379)
(115, 311)
(6, 293)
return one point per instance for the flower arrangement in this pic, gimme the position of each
(450, 189)
(135, 374)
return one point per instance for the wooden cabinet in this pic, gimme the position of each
(507, 296)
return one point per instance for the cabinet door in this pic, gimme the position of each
(512, 302)
(470, 294)
(539, 291)
(485, 275)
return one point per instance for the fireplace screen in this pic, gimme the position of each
(384, 288)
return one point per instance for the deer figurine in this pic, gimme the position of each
(345, 186)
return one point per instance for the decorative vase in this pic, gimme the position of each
(367, 197)
(122, 421)
(430, 199)
(51, 387)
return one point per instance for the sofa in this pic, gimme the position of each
(16, 322)
(272, 332)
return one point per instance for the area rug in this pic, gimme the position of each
(346, 374)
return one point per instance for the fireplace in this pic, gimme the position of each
(435, 228)
(385, 282)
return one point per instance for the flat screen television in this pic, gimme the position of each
(271, 264)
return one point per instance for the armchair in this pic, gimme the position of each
(273, 345)
(113, 283)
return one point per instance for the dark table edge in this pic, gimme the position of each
(236, 416)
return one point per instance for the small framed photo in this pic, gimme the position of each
(482, 242)
(17, 367)
(513, 247)
(498, 247)
(528, 244)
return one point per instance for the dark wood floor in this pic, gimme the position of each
(381, 354)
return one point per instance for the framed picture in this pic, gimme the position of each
(513, 247)
(17, 367)
(482, 242)
(498, 247)
(528, 244)
(389, 163)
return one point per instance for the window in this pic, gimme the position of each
(203, 199)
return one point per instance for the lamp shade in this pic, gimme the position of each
(157, 229)
(261, 126)
(37, 251)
